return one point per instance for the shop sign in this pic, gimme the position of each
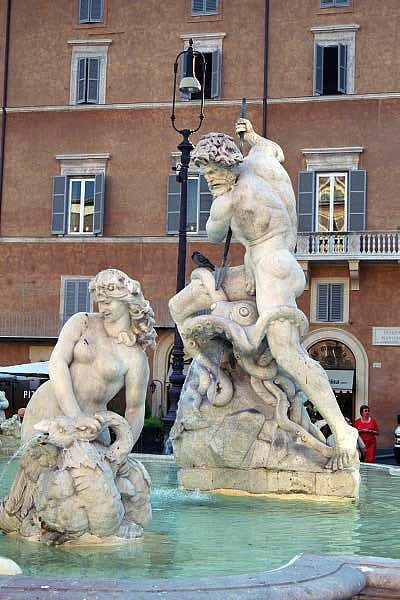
(340, 379)
(386, 336)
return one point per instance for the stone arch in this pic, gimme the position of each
(354, 344)
(160, 371)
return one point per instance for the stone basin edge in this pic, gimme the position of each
(311, 576)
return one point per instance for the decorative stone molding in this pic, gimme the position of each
(321, 159)
(87, 49)
(82, 164)
(354, 275)
(329, 35)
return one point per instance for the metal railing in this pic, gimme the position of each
(378, 245)
(46, 325)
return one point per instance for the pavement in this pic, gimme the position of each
(385, 457)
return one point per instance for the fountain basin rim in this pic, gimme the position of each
(317, 576)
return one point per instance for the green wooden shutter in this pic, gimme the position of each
(59, 204)
(216, 74)
(76, 297)
(323, 302)
(205, 204)
(342, 68)
(173, 204)
(98, 214)
(96, 11)
(336, 294)
(306, 201)
(211, 6)
(93, 79)
(81, 81)
(83, 11)
(318, 69)
(357, 200)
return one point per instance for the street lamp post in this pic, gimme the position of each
(189, 84)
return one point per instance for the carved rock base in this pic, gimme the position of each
(337, 485)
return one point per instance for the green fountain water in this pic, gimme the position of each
(195, 534)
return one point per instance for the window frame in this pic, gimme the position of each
(82, 206)
(315, 282)
(204, 12)
(335, 4)
(331, 174)
(85, 49)
(336, 35)
(194, 176)
(208, 43)
(90, 19)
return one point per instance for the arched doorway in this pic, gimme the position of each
(339, 350)
(340, 365)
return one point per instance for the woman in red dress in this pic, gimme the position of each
(368, 430)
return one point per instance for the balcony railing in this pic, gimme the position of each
(44, 325)
(362, 245)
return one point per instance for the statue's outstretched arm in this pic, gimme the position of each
(59, 363)
(136, 381)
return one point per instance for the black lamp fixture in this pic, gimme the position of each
(189, 84)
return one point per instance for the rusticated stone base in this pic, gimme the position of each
(337, 484)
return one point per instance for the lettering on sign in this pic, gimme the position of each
(341, 379)
(386, 336)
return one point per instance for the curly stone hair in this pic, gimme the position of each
(219, 148)
(113, 283)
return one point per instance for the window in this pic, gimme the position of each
(334, 59)
(332, 3)
(331, 201)
(90, 11)
(198, 204)
(329, 300)
(81, 205)
(88, 71)
(204, 7)
(330, 70)
(210, 45)
(78, 205)
(88, 80)
(75, 296)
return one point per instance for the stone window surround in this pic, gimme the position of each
(82, 164)
(330, 35)
(313, 302)
(204, 42)
(332, 159)
(88, 49)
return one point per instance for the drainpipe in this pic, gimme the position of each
(4, 99)
(265, 92)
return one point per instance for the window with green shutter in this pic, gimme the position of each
(88, 80)
(333, 3)
(199, 201)
(330, 69)
(78, 205)
(204, 7)
(76, 296)
(330, 302)
(90, 11)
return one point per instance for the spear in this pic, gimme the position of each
(221, 271)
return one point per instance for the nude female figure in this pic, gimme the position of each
(96, 355)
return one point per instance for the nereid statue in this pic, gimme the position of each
(71, 483)
(242, 406)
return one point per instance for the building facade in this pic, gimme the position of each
(87, 175)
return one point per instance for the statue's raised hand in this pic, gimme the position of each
(244, 126)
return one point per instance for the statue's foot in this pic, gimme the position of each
(345, 453)
(129, 530)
